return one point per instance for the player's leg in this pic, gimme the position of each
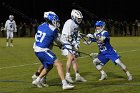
(60, 70)
(118, 61)
(69, 56)
(7, 38)
(99, 66)
(78, 78)
(47, 63)
(99, 62)
(37, 73)
(116, 58)
(38, 81)
(68, 67)
(11, 39)
(43, 79)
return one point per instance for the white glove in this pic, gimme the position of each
(94, 55)
(77, 46)
(15, 30)
(4, 29)
(89, 36)
(87, 42)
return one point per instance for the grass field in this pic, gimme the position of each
(19, 63)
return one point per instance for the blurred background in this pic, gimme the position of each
(119, 15)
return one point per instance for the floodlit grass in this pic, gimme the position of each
(17, 65)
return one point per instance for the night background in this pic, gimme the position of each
(19, 63)
(33, 9)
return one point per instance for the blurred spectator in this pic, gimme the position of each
(136, 27)
(82, 26)
(130, 28)
(116, 28)
(23, 29)
(2, 29)
(121, 28)
(35, 25)
(109, 26)
(125, 27)
(87, 27)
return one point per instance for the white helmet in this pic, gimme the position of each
(53, 18)
(76, 16)
(11, 17)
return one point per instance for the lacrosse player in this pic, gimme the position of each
(71, 41)
(46, 34)
(101, 37)
(10, 27)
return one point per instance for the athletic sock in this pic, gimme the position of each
(127, 73)
(102, 72)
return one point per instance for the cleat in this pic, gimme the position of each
(104, 76)
(11, 45)
(69, 79)
(6, 44)
(44, 82)
(80, 79)
(38, 84)
(67, 86)
(130, 78)
(34, 77)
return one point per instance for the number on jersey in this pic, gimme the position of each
(39, 37)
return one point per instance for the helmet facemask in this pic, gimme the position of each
(99, 26)
(56, 23)
(76, 16)
(78, 20)
(11, 17)
(52, 18)
(99, 29)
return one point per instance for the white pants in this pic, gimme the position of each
(9, 34)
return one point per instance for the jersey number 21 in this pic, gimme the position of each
(39, 37)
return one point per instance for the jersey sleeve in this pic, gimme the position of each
(92, 39)
(105, 34)
(6, 23)
(66, 33)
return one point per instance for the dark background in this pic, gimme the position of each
(28, 10)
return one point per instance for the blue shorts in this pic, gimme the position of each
(104, 58)
(46, 57)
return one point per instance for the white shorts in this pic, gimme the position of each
(68, 50)
(9, 34)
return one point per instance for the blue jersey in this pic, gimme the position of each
(105, 46)
(44, 38)
(106, 50)
(45, 35)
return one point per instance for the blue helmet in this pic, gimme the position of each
(100, 24)
(53, 18)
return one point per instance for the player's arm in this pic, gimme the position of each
(76, 41)
(100, 39)
(91, 39)
(6, 24)
(58, 41)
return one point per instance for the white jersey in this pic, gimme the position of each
(69, 28)
(70, 37)
(10, 25)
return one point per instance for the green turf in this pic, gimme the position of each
(17, 65)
